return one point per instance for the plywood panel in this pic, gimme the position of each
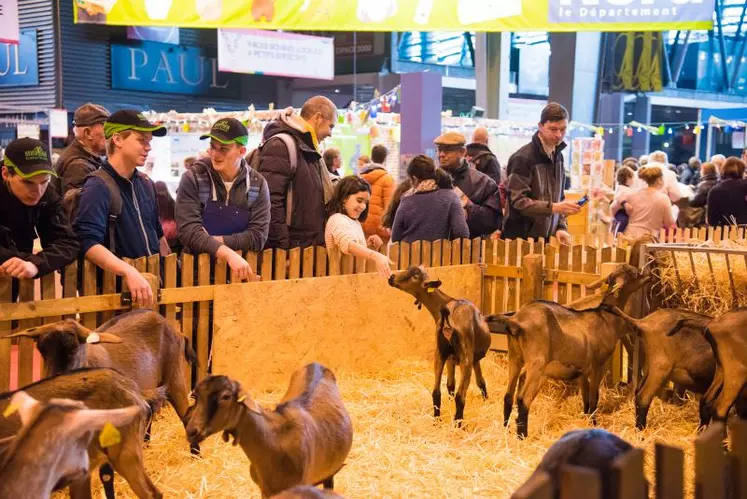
(259, 346)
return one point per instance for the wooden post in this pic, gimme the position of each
(710, 463)
(577, 482)
(538, 486)
(531, 281)
(6, 284)
(739, 454)
(670, 474)
(153, 283)
(627, 475)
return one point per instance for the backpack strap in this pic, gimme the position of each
(115, 204)
(204, 183)
(290, 143)
(253, 184)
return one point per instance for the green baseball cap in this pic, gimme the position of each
(28, 158)
(130, 119)
(228, 131)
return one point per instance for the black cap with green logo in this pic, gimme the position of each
(28, 158)
(130, 119)
(228, 131)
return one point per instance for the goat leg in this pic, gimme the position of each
(146, 437)
(450, 377)
(514, 370)
(81, 489)
(728, 395)
(535, 378)
(128, 461)
(438, 371)
(466, 368)
(329, 483)
(583, 382)
(594, 382)
(106, 474)
(656, 378)
(480, 380)
(706, 402)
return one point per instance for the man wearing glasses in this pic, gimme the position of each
(536, 179)
(477, 191)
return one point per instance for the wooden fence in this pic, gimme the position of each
(718, 475)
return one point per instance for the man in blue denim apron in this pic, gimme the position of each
(222, 205)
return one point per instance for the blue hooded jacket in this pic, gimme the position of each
(138, 229)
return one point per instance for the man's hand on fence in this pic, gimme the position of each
(564, 238)
(140, 289)
(240, 267)
(20, 269)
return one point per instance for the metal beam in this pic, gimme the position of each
(738, 62)
(679, 60)
(722, 43)
(739, 28)
(665, 56)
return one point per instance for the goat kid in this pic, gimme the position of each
(462, 336)
(51, 449)
(141, 344)
(98, 389)
(304, 441)
(550, 340)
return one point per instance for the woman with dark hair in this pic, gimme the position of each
(727, 201)
(347, 209)
(431, 210)
(166, 210)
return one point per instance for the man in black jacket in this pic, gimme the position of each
(480, 155)
(536, 181)
(477, 191)
(30, 208)
(84, 155)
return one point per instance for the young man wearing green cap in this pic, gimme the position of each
(30, 208)
(222, 205)
(137, 229)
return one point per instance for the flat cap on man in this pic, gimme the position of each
(453, 139)
(90, 114)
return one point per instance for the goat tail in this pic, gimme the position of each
(500, 323)
(155, 398)
(684, 322)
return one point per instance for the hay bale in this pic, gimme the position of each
(700, 282)
(399, 451)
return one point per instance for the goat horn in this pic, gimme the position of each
(28, 333)
(596, 284)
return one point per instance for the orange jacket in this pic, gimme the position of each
(382, 189)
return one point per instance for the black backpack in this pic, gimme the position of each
(205, 183)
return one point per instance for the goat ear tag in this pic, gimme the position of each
(109, 436)
(431, 290)
(93, 338)
(10, 410)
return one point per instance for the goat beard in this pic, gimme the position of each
(231, 433)
(419, 305)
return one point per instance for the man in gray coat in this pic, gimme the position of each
(222, 205)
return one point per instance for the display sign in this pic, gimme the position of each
(179, 69)
(30, 130)
(58, 123)
(9, 31)
(404, 15)
(19, 63)
(280, 54)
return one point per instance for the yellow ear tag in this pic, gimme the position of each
(109, 436)
(604, 288)
(431, 290)
(241, 399)
(93, 338)
(10, 410)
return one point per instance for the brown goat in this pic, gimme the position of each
(686, 359)
(141, 344)
(304, 441)
(553, 341)
(98, 389)
(726, 336)
(593, 449)
(462, 336)
(51, 449)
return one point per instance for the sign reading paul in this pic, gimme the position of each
(404, 15)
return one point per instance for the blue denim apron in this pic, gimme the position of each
(221, 219)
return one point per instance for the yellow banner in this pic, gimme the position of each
(404, 15)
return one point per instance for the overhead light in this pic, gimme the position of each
(337, 90)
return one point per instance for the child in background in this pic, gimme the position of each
(347, 209)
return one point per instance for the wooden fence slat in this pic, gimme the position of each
(153, 265)
(445, 253)
(404, 255)
(321, 261)
(267, 265)
(6, 284)
(466, 250)
(550, 265)
(280, 264)
(531, 282)
(203, 319)
(591, 265)
(436, 252)
(109, 286)
(577, 265)
(670, 475)
(89, 289)
(577, 482)
(501, 285)
(141, 264)
(538, 486)
(416, 253)
(394, 253)
(221, 271)
(488, 287)
(477, 246)
(188, 275)
(360, 265)
(334, 257)
(294, 267)
(739, 455)
(563, 264)
(169, 281)
(512, 298)
(252, 258)
(710, 463)
(456, 252)
(627, 475)
(49, 292)
(70, 286)
(26, 345)
(347, 263)
(230, 273)
(427, 253)
(308, 262)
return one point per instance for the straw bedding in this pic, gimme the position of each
(399, 451)
(702, 284)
